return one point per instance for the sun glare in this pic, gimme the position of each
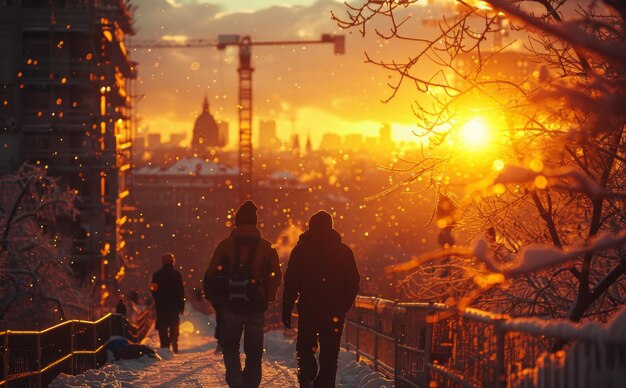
(474, 134)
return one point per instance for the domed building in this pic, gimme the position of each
(206, 131)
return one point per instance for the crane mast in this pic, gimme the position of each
(245, 70)
(246, 156)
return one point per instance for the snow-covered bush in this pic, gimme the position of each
(37, 287)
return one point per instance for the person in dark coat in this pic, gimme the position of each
(251, 267)
(120, 308)
(323, 277)
(169, 299)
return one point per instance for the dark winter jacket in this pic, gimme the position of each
(168, 292)
(321, 274)
(265, 272)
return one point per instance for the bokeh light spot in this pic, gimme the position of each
(541, 182)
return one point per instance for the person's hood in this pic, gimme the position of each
(246, 230)
(321, 236)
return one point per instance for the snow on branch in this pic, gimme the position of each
(566, 178)
(439, 254)
(536, 257)
(614, 331)
(531, 258)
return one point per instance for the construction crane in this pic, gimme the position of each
(244, 43)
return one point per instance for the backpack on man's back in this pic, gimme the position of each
(233, 284)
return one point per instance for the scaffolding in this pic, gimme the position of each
(67, 107)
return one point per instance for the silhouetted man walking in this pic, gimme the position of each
(169, 300)
(323, 276)
(243, 276)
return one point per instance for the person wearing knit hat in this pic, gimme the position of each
(321, 221)
(323, 277)
(243, 277)
(246, 215)
(169, 300)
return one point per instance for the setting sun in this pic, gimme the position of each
(435, 182)
(474, 134)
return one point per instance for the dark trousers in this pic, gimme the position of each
(325, 330)
(232, 325)
(168, 331)
(218, 318)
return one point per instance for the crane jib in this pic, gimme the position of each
(244, 43)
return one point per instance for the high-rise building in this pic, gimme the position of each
(139, 148)
(154, 141)
(354, 141)
(385, 136)
(177, 138)
(330, 141)
(267, 134)
(66, 104)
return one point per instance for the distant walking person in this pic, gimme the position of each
(243, 276)
(323, 276)
(120, 308)
(169, 299)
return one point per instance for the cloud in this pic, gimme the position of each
(174, 4)
(286, 79)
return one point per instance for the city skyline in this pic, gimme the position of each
(303, 88)
(278, 138)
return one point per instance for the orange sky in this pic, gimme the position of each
(306, 89)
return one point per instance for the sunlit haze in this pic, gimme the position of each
(432, 191)
(474, 134)
(305, 89)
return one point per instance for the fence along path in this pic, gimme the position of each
(420, 344)
(35, 358)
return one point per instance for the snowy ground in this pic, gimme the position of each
(197, 364)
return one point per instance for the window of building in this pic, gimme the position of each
(36, 97)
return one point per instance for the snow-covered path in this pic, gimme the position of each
(202, 367)
(197, 364)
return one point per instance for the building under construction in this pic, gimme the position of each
(65, 80)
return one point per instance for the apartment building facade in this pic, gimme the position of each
(65, 91)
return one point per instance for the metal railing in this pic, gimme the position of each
(430, 344)
(35, 358)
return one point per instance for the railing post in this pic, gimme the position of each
(110, 319)
(72, 347)
(500, 377)
(6, 355)
(396, 338)
(124, 328)
(428, 343)
(39, 359)
(377, 330)
(93, 346)
(358, 321)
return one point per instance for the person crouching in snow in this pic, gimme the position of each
(169, 300)
(323, 276)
